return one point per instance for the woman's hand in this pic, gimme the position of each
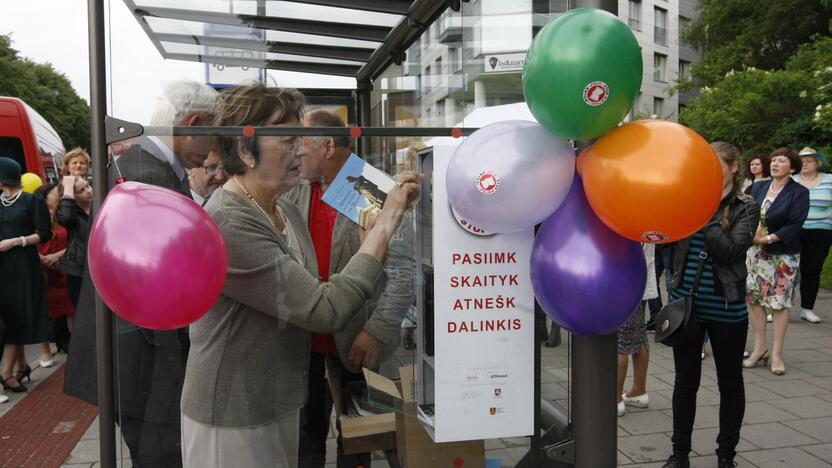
(8, 244)
(400, 200)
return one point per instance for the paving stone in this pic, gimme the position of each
(703, 442)
(808, 355)
(754, 392)
(817, 369)
(705, 396)
(791, 389)
(818, 428)
(645, 448)
(646, 422)
(757, 412)
(790, 457)
(825, 382)
(805, 407)
(822, 451)
(774, 435)
(827, 397)
(553, 391)
(87, 451)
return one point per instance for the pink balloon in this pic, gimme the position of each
(156, 257)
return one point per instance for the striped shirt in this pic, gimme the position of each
(709, 305)
(820, 204)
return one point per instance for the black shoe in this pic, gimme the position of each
(554, 338)
(651, 325)
(25, 373)
(725, 463)
(675, 461)
(19, 388)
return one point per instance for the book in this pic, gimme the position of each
(359, 191)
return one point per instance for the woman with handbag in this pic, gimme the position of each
(774, 260)
(710, 267)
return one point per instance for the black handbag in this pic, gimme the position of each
(676, 322)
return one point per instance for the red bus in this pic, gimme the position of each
(28, 138)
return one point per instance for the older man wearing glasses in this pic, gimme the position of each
(204, 180)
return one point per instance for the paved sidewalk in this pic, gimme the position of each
(788, 419)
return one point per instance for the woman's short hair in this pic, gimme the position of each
(254, 105)
(794, 159)
(765, 161)
(75, 153)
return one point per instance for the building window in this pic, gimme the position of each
(684, 24)
(634, 19)
(437, 66)
(658, 107)
(684, 70)
(660, 28)
(659, 67)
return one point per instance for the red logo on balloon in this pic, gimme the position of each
(654, 237)
(596, 93)
(488, 182)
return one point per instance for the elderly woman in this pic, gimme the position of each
(245, 381)
(24, 223)
(816, 234)
(76, 163)
(774, 259)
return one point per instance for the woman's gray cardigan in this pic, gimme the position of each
(250, 353)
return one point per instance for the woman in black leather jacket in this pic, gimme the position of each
(720, 310)
(74, 215)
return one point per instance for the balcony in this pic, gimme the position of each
(660, 35)
(635, 24)
(450, 28)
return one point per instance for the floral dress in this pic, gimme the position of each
(772, 279)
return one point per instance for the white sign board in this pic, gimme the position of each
(504, 62)
(483, 325)
(222, 75)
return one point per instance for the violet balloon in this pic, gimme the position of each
(509, 176)
(156, 257)
(586, 277)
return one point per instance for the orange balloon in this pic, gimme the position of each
(652, 181)
(579, 162)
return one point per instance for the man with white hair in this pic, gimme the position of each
(149, 364)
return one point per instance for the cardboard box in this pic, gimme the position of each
(416, 448)
(400, 429)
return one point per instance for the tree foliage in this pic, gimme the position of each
(766, 74)
(736, 34)
(48, 92)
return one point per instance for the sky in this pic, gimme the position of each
(55, 31)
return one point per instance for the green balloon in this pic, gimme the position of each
(582, 74)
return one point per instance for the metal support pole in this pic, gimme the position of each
(103, 317)
(594, 420)
(594, 373)
(364, 117)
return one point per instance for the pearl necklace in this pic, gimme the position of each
(10, 200)
(279, 211)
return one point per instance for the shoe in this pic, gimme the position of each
(778, 371)
(641, 401)
(19, 388)
(768, 318)
(745, 354)
(651, 325)
(809, 316)
(725, 463)
(47, 363)
(554, 338)
(750, 364)
(24, 374)
(622, 409)
(675, 461)
(703, 356)
(3, 398)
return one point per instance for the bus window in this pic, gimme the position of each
(11, 147)
(51, 175)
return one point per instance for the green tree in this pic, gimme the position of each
(48, 92)
(737, 34)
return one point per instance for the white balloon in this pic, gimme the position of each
(509, 176)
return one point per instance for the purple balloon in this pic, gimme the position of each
(586, 277)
